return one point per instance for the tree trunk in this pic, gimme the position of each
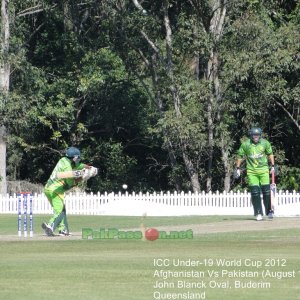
(212, 75)
(227, 181)
(68, 18)
(160, 107)
(3, 183)
(168, 66)
(4, 87)
(210, 129)
(226, 164)
(4, 62)
(191, 170)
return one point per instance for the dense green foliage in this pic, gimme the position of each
(136, 98)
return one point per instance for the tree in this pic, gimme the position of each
(261, 76)
(159, 75)
(4, 86)
(211, 19)
(71, 89)
(159, 92)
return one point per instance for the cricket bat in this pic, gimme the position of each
(70, 174)
(273, 191)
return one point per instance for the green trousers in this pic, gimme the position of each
(56, 200)
(260, 183)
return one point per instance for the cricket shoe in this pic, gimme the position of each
(64, 233)
(270, 215)
(259, 217)
(48, 229)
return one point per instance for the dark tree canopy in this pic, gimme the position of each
(157, 94)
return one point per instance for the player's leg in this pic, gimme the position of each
(256, 201)
(58, 220)
(46, 226)
(58, 217)
(253, 182)
(265, 187)
(64, 226)
(57, 202)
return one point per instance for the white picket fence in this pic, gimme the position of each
(157, 204)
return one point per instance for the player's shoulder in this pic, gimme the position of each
(264, 142)
(246, 142)
(64, 160)
(64, 163)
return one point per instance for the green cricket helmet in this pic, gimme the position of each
(73, 153)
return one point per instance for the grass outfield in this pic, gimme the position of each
(9, 222)
(123, 269)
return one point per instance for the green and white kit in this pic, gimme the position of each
(56, 188)
(256, 155)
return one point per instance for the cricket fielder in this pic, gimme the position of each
(257, 151)
(56, 187)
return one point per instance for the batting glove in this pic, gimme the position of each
(89, 172)
(274, 169)
(86, 175)
(237, 173)
(93, 171)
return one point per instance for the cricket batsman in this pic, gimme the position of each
(56, 187)
(257, 151)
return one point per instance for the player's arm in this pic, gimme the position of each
(240, 156)
(239, 162)
(81, 167)
(272, 161)
(81, 178)
(237, 172)
(269, 152)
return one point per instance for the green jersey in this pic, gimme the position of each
(62, 185)
(256, 155)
